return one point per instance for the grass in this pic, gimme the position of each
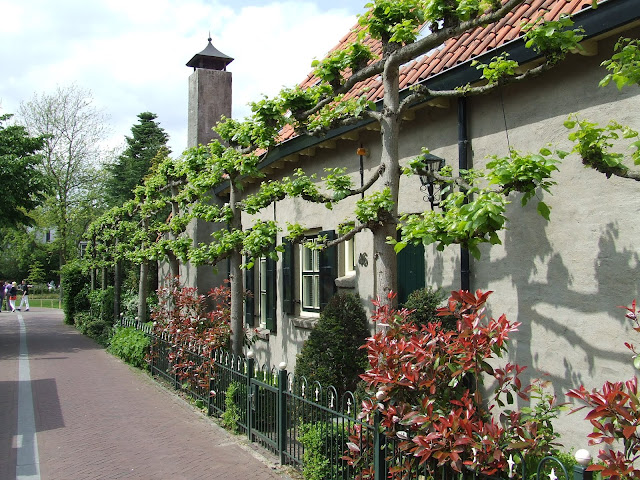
(42, 300)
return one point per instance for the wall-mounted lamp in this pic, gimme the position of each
(433, 164)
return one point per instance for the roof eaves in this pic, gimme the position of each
(608, 16)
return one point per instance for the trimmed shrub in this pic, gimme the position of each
(424, 303)
(130, 345)
(324, 444)
(332, 355)
(73, 281)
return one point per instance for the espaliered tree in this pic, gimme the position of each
(474, 210)
(475, 206)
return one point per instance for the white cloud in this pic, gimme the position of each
(132, 54)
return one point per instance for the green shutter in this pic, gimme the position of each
(410, 271)
(328, 270)
(249, 298)
(271, 295)
(288, 279)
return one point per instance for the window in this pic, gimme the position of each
(260, 281)
(313, 277)
(350, 256)
(310, 279)
(263, 289)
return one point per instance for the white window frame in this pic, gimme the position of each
(309, 276)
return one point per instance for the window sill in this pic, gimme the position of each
(307, 323)
(348, 281)
(261, 333)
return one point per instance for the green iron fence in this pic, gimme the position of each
(278, 411)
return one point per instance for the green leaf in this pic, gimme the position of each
(544, 210)
(636, 362)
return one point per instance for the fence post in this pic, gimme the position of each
(583, 457)
(379, 448)
(282, 411)
(250, 369)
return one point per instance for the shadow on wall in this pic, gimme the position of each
(547, 300)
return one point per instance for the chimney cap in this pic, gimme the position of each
(210, 58)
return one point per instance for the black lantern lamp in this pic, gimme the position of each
(432, 164)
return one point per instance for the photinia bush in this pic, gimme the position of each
(182, 316)
(615, 416)
(426, 384)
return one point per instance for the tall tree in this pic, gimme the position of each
(22, 183)
(147, 138)
(73, 129)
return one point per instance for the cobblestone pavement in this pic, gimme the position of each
(93, 417)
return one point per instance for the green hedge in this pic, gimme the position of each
(130, 345)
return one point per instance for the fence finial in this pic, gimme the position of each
(583, 457)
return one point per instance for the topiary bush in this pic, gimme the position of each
(332, 355)
(73, 281)
(130, 345)
(425, 303)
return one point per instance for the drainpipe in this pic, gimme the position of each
(463, 164)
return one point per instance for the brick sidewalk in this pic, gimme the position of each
(97, 418)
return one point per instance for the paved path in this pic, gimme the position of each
(70, 411)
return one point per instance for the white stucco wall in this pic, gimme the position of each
(562, 279)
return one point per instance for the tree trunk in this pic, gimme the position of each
(235, 277)
(143, 292)
(386, 260)
(103, 281)
(117, 290)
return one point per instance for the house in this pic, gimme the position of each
(562, 279)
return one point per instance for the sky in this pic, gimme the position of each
(131, 55)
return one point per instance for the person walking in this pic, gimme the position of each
(7, 294)
(25, 296)
(13, 295)
(1, 294)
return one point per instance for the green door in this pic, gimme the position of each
(410, 271)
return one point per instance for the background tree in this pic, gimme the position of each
(22, 183)
(128, 171)
(73, 129)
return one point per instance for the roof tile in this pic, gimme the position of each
(454, 51)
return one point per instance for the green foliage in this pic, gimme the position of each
(332, 355)
(396, 21)
(373, 207)
(22, 182)
(553, 38)
(95, 328)
(594, 143)
(131, 345)
(146, 140)
(101, 304)
(73, 281)
(468, 218)
(499, 67)
(324, 443)
(331, 68)
(424, 303)
(332, 115)
(624, 65)
(231, 414)
(524, 173)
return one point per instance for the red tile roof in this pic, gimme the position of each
(455, 50)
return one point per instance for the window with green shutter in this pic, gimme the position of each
(249, 306)
(288, 277)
